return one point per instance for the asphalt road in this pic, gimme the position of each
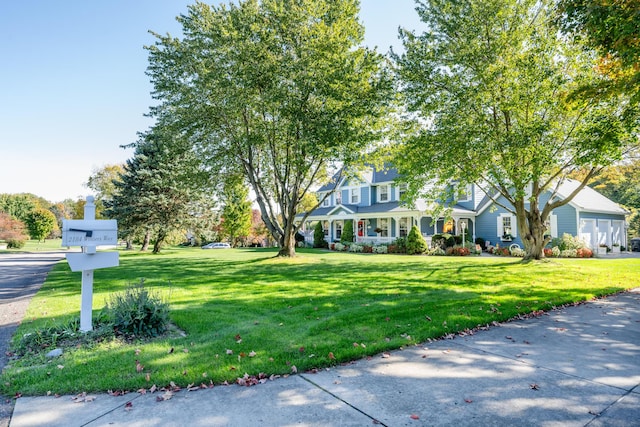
(21, 275)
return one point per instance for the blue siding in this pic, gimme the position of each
(364, 197)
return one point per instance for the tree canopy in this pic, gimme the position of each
(613, 29)
(278, 89)
(489, 88)
(161, 189)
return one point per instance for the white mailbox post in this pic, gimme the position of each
(89, 233)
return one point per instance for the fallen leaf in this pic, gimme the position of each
(139, 366)
(252, 354)
(60, 366)
(138, 351)
(468, 400)
(355, 344)
(428, 318)
(147, 377)
(414, 417)
(294, 370)
(153, 389)
(128, 406)
(170, 350)
(185, 350)
(142, 391)
(229, 351)
(331, 356)
(534, 386)
(386, 355)
(166, 396)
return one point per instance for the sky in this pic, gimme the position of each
(73, 87)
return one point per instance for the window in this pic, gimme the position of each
(404, 226)
(338, 229)
(448, 226)
(326, 202)
(339, 198)
(383, 193)
(402, 189)
(325, 228)
(464, 193)
(354, 196)
(383, 226)
(507, 226)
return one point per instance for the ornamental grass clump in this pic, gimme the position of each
(138, 312)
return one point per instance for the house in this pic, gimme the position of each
(373, 202)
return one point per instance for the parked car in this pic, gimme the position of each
(217, 245)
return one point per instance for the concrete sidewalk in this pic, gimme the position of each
(579, 366)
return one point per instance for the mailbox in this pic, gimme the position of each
(85, 232)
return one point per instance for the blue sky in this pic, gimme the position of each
(73, 86)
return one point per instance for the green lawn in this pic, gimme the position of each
(37, 246)
(233, 304)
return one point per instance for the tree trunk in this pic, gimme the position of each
(288, 245)
(145, 241)
(129, 244)
(157, 245)
(533, 230)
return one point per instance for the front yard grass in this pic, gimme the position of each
(244, 311)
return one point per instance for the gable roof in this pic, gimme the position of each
(589, 199)
(370, 175)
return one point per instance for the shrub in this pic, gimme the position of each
(15, 243)
(318, 236)
(340, 247)
(367, 249)
(444, 241)
(548, 252)
(415, 242)
(569, 253)
(138, 312)
(584, 253)
(380, 249)
(567, 241)
(517, 252)
(555, 251)
(401, 245)
(347, 233)
(458, 251)
(356, 248)
(392, 249)
(480, 241)
(437, 251)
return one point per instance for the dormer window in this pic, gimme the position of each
(383, 193)
(326, 202)
(402, 189)
(354, 196)
(339, 198)
(464, 193)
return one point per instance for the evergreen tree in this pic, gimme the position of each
(415, 242)
(161, 190)
(347, 233)
(318, 236)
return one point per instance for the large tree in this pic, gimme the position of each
(612, 27)
(162, 188)
(280, 89)
(489, 85)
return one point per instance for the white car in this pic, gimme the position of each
(217, 245)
